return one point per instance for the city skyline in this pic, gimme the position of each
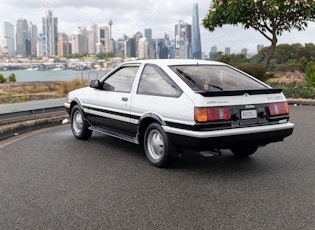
(132, 16)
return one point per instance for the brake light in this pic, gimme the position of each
(279, 109)
(212, 114)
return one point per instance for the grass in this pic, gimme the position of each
(38, 92)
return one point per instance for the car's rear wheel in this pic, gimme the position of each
(157, 145)
(79, 126)
(244, 151)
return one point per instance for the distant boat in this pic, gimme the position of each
(57, 68)
(32, 69)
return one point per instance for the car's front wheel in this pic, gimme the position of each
(79, 126)
(244, 151)
(157, 145)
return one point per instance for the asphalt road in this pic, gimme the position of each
(50, 180)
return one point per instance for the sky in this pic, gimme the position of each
(131, 16)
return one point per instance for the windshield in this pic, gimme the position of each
(215, 78)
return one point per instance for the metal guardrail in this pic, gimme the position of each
(11, 113)
(23, 117)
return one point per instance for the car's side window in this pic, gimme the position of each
(154, 81)
(122, 80)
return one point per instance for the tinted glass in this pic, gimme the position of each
(121, 80)
(154, 81)
(215, 78)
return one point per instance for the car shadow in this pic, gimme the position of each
(227, 163)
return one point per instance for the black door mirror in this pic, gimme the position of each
(95, 84)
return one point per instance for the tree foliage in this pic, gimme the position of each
(2, 78)
(269, 17)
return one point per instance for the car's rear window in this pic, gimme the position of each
(215, 78)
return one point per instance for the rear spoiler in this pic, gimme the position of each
(238, 92)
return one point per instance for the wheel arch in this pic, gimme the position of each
(74, 102)
(145, 121)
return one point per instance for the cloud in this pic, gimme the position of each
(131, 16)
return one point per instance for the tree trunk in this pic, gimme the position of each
(270, 52)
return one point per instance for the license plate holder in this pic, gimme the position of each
(248, 114)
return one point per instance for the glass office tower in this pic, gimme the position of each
(196, 42)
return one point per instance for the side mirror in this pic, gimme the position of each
(108, 87)
(95, 84)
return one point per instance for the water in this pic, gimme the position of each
(53, 75)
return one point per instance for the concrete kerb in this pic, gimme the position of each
(7, 131)
(11, 130)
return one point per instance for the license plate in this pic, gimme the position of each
(249, 114)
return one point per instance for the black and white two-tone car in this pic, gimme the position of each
(172, 105)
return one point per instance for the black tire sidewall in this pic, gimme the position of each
(164, 160)
(85, 133)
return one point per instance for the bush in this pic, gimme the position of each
(12, 77)
(310, 78)
(257, 71)
(67, 86)
(2, 78)
(295, 89)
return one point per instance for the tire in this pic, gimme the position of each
(79, 126)
(244, 151)
(157, 146)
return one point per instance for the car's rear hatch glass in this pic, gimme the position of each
(215, 80)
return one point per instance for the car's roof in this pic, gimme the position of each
(176, 62)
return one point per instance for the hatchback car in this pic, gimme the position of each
(172, 105)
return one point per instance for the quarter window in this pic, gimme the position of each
(122, 80)
(154, 81)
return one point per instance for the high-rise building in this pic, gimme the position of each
(23, 38)
(227, 50)
(182, 40)
(63, 45)
(80, 41)
(34, 37)
(148, 36)
(131, 47)
(93, 38)
(50, 34)
(244, 51)
(103, 38)
(143, 48)
(7, 39)
(196, 42)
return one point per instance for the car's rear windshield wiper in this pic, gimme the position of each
(215, 86)
(187, 76)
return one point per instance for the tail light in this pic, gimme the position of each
(279, 109)
(212, 114)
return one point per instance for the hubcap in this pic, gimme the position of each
(155, 144)
(77, 122)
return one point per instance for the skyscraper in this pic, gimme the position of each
(50, 34)
(182, 40)
(34, 38)
(23, 38)
(7, 39)
(196, 42)
(103, 38)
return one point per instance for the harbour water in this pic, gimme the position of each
(53, 75)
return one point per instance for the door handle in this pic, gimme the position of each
(124, 99)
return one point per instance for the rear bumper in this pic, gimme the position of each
(258, 135)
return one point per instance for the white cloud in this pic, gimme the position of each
(130, 16)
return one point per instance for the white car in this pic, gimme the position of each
(172, 105)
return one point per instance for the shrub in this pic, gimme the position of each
(12, 77)
(67, 86)
(310, 78)
(258, 71)
(295, 89)
(2, 78)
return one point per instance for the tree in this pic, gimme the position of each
(12, 77)
(269, 17)
(2, 78)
